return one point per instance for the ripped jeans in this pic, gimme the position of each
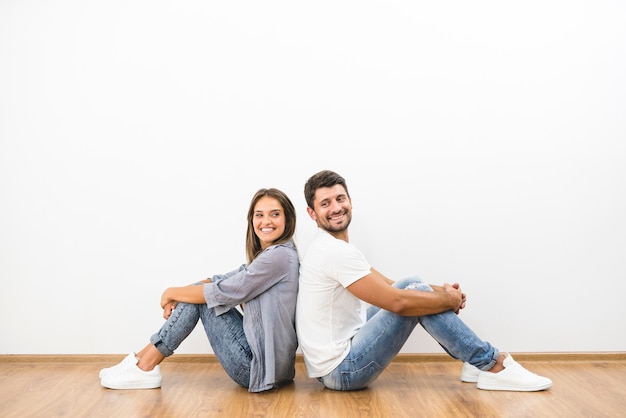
(225, 333)
(378, 341)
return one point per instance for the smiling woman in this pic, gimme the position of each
(485, 140)
(257, 348)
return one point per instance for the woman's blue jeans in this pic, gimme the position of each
(383, 335)
(225, 333)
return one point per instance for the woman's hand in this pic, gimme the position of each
(168, 309)
(167, 303)
(173, 295)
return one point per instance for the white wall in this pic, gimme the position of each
(483, 142)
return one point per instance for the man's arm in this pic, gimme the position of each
(375, 289)
(433, 286)
(382, 276)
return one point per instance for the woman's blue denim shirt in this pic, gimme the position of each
(268, 287)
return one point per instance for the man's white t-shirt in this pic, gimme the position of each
(327, 314)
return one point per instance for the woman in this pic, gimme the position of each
(257, 349)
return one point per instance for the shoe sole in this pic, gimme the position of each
(499, 386)
(143, 385)
(469, 379)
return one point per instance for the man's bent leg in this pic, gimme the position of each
(459, 341)
(381, 338)
(373, 347)
(453, 335)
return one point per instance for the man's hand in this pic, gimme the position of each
(463, 296)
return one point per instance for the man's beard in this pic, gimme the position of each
(330, 228)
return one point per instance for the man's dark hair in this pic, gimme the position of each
(324, 178)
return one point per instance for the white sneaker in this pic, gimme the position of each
(469, 373)
(514, 377)
(129, 376)
(128, 359)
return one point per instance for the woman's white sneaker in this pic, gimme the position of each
(127, 375)
(514, 377)
(128, 359)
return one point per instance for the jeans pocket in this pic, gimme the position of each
(361, 378)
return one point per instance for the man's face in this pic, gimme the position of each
(332, 209)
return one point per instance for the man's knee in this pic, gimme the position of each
(413, 283)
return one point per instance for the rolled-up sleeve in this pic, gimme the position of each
(248, 282)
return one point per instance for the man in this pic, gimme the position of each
(345, 343)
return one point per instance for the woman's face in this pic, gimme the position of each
(268, 220)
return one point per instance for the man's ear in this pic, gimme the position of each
(311, 213)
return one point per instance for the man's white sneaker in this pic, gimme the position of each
(128, 359)
(129, 376)
(514, 377)
(469, 373)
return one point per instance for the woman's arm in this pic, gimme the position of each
(173, 295)
(189, 294)
(269, 268)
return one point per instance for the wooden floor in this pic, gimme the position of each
(413, 386)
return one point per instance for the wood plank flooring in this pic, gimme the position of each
(197, 386)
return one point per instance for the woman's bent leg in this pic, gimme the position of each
(177, 327)
(229, 343)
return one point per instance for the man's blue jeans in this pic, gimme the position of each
(384, 334)
(225, 334)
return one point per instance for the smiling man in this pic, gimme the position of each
(351, 320)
